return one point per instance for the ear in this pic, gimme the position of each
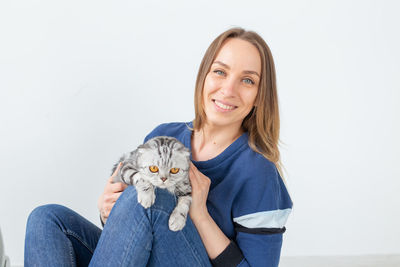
(145, 145)
(187, 153)
(141, 149)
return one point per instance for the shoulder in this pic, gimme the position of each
(261, 168)
(173, 129)
(257, 171)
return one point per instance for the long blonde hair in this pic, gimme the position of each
(262, 123)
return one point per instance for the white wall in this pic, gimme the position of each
(83, 81)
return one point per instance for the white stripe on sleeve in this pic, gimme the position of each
(264, 219)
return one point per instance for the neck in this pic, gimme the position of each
(220, 134)
(211, 140)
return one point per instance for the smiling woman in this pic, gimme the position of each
(244, 63)
(239, 202)
(229, 92)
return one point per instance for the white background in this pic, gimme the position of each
(83, 81)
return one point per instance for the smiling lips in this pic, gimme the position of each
(223, 106)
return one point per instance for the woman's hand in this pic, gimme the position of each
(111, 193)
(200, 187)
(214, 240)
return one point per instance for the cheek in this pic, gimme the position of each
(154, 176)
(250, 97)
(210, 85)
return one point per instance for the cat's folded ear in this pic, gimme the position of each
(186, 152)
(140, 150)
(143, 147)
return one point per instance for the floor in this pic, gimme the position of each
(338, 261)
(342, 261)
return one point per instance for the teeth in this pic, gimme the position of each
(219, 104)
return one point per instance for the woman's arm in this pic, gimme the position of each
(253, 245)
(220, 249)
(214, 240)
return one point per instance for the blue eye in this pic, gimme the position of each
(219, 72)
(248, 81)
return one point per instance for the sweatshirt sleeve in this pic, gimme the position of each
(260, 212)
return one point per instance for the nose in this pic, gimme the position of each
(229, 87)
(163, 179)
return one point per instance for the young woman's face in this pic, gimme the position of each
(231, 86)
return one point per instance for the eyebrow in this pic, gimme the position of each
(245, 71)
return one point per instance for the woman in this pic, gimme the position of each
(240, 203)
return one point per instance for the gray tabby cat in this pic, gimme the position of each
(161, 162)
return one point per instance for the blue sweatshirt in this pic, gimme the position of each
(247, 199)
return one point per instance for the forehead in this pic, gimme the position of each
(239, 55)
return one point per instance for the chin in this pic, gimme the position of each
(221, 121)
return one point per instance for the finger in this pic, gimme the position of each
(192, 166)
(111, 179)
(115, 198)
(117, 169)
(194, 172)
(199, 179)
(191, 173)
(111, 199)
(104, 214)
(193, 178)
(118, 187)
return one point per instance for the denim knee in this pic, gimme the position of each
(165, 201)
(43, 215)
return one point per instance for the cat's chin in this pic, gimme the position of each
(170, 188)
(162, 186)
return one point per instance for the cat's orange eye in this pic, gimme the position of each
(153, 168)
(174, 170)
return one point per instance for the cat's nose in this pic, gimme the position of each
(163, 179)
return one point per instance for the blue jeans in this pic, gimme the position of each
(132, 236)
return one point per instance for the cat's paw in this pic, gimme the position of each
(176, 221)
(146, 199)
